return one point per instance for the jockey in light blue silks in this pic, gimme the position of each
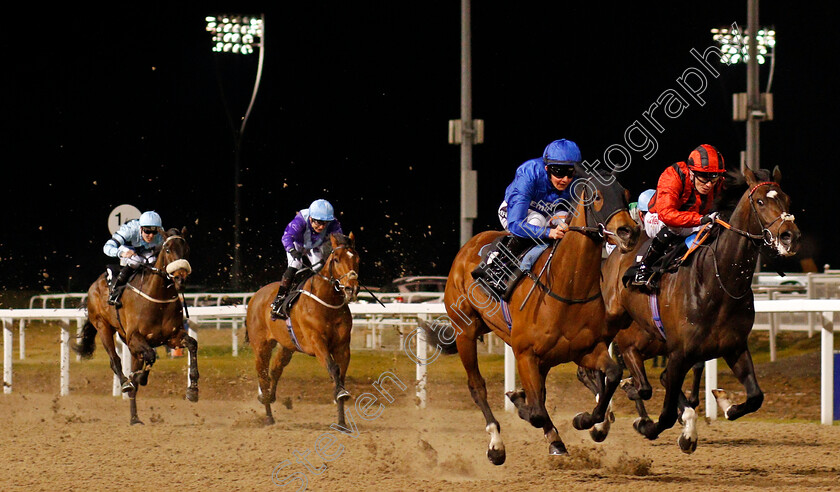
(305, 235)
(134, 244)
(535, 207)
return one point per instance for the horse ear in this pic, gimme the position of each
(333, 241)
(749, 175)
(777, 174)
(184, 232)
(352, 238)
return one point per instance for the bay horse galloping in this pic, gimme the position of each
(320, 324)
(706, 307)
(151, 315)
(561, 320)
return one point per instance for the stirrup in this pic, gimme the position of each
(642, 277)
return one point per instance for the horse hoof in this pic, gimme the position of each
(626, 383)
(581, 420)
(687, 445)
(598, 435)
(192, 394)
(268, 421)
(128, 386)
(515, 396)
(496, 456)
(342, 395)
(135, 421)
(557, 448)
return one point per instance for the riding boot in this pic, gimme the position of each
(647, 275)
(119, 286)
(501, 269)
(282, 290)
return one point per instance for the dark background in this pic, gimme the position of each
(124, 106)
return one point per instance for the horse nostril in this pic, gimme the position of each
(624, 232)
(786, 238)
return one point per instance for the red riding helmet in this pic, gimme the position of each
(706, 159)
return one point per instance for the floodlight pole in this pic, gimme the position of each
(236, 270)
(755, 112)
(468, 192)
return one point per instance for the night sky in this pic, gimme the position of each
(129, 106)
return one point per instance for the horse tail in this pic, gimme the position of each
(442, 335)
(87, 341)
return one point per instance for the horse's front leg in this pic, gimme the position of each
(530, 401)
(609, 375)
(672, 380)
(191, 345)
(742, 366)
(686, 415)
(106, 335)
(468, 352)
(326, 359)
(342, 358)
(136, 369)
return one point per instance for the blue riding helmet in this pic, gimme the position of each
(150, 219)
(561, 152)
(644, 199)
(321, 210)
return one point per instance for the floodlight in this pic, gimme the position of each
(733, 44)
(235, 33)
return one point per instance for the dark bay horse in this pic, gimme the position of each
(320, 320)
(706, 308)
(563, 320)
(151, 316)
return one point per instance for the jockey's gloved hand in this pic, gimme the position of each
(296, 254)
(709, 218)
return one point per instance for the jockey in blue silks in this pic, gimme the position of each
(305, 235)
(134, 244)
(536, 204)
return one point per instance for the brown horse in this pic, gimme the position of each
(560, 321)
(706, 308)
(151, 315)
(320, 320)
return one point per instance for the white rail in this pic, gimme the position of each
(824, 309)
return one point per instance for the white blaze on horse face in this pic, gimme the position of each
(772, 194)
(495, 437)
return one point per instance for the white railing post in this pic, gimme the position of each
(22, 339)
(234, 338)
(421, 367)
(191, 332)
(510, 377)
(711, 383)
(126, 365)
(7, 356)
(65, 358)
(116, 387)
(827, 369)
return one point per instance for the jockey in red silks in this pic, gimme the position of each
(682, 203)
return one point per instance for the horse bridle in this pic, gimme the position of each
(600, 228)
(767, 236)
(335, 281)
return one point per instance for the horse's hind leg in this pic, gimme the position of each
(742, 366)
(468, 352)
(694, 399)
(594, 380)
(280, 361)
(262, 358)
(192, 347)
(673, 381)
(687, 416)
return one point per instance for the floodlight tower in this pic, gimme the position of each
(752, 106)
(238, 35)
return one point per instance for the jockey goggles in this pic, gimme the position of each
(559, 171)
(149, 230)
(707, 177)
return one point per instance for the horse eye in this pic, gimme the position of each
(760, 202)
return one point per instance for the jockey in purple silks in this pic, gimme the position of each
(306, 235)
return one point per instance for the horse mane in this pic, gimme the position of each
(734, 187)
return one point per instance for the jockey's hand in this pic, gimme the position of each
(296, 254)
(127, 253)
(709, 218)
(559, 231)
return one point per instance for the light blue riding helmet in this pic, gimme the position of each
(644, 199)
(150, 219)
(561, 152)
(321, 210)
